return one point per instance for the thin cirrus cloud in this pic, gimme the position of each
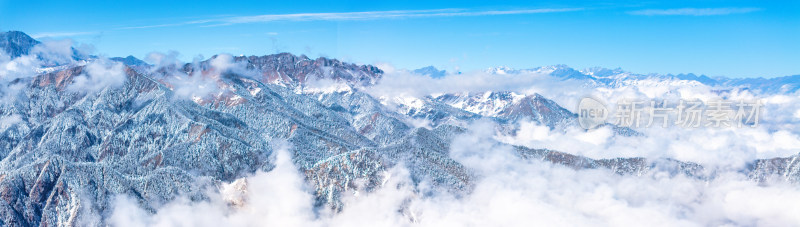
(367, 15)
(60, 34)
(693, 11)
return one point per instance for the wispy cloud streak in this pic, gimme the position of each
(60, 34)
(693, 11)
(344, 16)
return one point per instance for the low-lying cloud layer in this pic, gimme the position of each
(776, 135)
(509, 192)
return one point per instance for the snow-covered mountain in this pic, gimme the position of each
(598, 76)
(431, 71)
(16, 43)
(88, 130)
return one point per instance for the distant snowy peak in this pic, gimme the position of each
(500, 70)
(602, 72)
(598, 76)
(431, 71)
(555, 70)
(130, 61)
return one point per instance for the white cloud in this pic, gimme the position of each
(45, 54)
(224, 63)
(508, 192)
(367, 15)
(54, 52)
(60, 34)
(724, 148)
(693, 11)
(371, 15)
(20, 67)
(278, 196)
(778, 133)
(194, 86)
(42, 59)
(161, 60)
(99, 74)
(201, 82)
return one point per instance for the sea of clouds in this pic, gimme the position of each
(509, 191)
(514, 192)
(776, 135)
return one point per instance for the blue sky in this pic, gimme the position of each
(715, 38)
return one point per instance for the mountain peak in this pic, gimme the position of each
(129, 60)
(431, 71)
(602, 72)
(295, 71)
(500, 70)
(16, 43)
